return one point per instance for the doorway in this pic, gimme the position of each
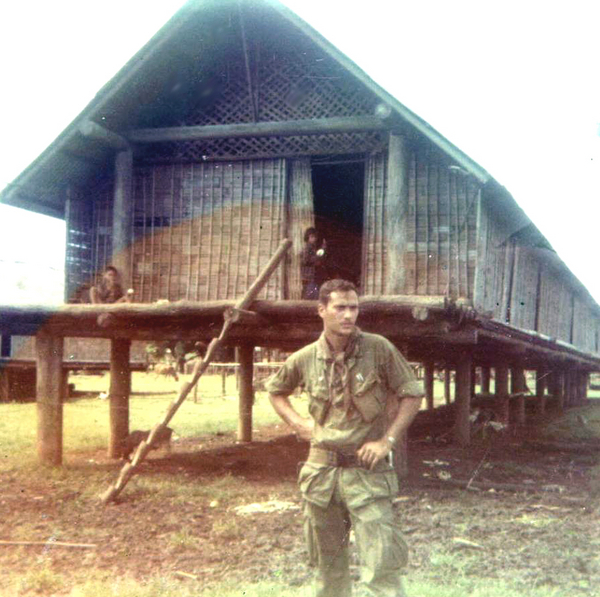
(338, 190)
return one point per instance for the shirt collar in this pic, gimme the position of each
(352, 350)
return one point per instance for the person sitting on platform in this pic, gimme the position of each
(312, 258)
(109, 290)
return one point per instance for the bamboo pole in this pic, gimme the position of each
(429, 377)
(49, 393)
(501, 391)
(464, 391)
(447, 376)
(246, 394)
(485, 380)
(120, 388)
(540, 389)
(519, 387)
(202, 364)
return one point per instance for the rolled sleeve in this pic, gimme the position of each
(286, 380)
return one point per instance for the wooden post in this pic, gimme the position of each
(568, 388)
(559, 388)
(501, 391)
(400, 457)
(49, 392)
(585, 383)
(396, 209)
(224, 381)
(518, 384)
(122, 215)
(464, 391)
(541, 380)
(447, 376)
(485, 380)
(246, 368)
(429, 377)
(120, 388)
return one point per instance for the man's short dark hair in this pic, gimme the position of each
(308, 232)
(336, 285)
(111, 268)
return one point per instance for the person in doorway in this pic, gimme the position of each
(352, 378)
(109, 290)
(313, 258)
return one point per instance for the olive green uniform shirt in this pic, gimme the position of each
(349, 410)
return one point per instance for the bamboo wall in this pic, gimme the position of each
(204, 231)
(527, 286)
(78, 253)
(440, 228)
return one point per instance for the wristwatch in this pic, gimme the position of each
(392, 440)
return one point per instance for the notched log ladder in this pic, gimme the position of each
(238, 313)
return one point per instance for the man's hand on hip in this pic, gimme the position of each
(372, 452)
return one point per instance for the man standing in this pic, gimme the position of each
(353, 379)
(312, 259)
(109, 290)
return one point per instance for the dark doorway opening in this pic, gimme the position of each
(338, 189)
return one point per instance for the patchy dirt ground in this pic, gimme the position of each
(544, 531)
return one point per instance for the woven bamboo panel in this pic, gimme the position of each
(78, 257)
(441, 228)
(374, 238)
(204, 231)
(291, 84)
(102, 219)
(524, 294)
(300, 217)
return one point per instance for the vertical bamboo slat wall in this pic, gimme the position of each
(78, 255)
(102, 218)
(204, 231)
(300, 217)
(524, 286)
(374, 241)
(441, 244)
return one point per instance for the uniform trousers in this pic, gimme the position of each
(338, 499)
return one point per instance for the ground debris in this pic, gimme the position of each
(266, 507)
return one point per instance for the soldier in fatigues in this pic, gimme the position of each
(352, 379)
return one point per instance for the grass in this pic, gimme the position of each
(86, 420)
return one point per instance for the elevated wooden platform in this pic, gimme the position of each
(440, 334)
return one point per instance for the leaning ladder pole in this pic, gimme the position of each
(143, 448)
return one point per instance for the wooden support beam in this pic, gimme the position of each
(464, 393)
(120, 389)
(396, 209)
(5, 345)
(246, 397)
(541, 382)
(316, 126)
(501, 392)
(123, 215)
(447, 377)
(558, 383)
(50, 394)
(429, 378)
(518, 385)
(485, 379)
(94, 131)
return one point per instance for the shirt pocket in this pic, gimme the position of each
(369, 397)
(319, 398)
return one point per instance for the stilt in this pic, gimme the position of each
(485, 380)
(400, 457)
(541, 378)
(519, 386)
(429, 376)
(501, 391)
(447, 376)
(246, 368)
(120, 388)
(49, 392)
(464, 391)
(558, 381)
